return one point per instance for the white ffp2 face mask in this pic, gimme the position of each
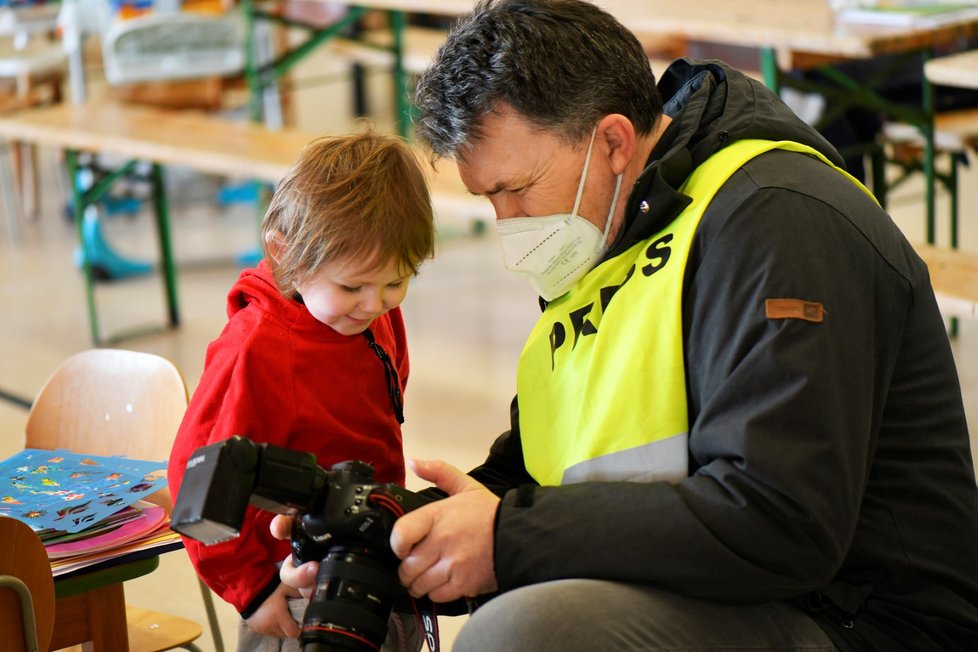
(553, 252)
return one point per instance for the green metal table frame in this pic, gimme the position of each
(82, 198)
(264, 75)
(846, 92)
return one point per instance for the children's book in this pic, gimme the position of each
(148, 519)
(160, 540)
(59, 491)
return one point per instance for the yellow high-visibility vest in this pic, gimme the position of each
(601, 381)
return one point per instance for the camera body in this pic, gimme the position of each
(343, 520)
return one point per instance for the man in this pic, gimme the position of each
(738, 423)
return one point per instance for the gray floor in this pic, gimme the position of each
(466, 320)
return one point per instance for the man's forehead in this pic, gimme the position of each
(504, 153)
(488, 171)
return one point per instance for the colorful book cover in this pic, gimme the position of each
(63, 491)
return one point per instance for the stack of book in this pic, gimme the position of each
(88, 510)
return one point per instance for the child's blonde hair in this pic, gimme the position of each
(356, 197)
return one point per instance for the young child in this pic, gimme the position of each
(314, 355)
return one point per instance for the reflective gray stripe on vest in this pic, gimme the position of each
(659, 460)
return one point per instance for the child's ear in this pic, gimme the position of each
(275, 245)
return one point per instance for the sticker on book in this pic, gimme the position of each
(69, 492)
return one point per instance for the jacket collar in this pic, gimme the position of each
(710, 105)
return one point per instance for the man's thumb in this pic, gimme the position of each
(445, 476)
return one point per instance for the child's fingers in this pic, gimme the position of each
(281, 526)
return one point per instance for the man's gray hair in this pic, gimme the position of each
(561, 64)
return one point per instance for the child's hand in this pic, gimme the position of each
(303, 577)
(273, 618)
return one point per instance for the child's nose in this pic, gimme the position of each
(373, 302)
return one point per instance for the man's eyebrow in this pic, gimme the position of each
(498, 188)
(504, 185)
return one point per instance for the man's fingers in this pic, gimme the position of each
(411, 528)
(445, 476)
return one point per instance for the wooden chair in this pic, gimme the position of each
(115, 402)
(26, 590)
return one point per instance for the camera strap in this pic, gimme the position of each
(424, 610)
(390, 374)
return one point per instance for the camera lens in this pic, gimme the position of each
(349, 610)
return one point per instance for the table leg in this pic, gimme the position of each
(402, 83)
(166, 248)
(927, 130)
(79, 204)
(9, 194)
(770, 70)
(97, 616)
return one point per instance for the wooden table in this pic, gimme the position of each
(959, 70)
(954, 275)
(168, 137)
(797, 26)
(789, 32)
(195, 140)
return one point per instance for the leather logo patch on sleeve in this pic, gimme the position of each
(794, 309)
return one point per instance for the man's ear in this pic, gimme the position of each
(619, 134)
(275, 245)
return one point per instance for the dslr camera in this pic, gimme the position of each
(343, 520)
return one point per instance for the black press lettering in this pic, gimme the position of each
(557, 337)
(658, 254)
(582, 325)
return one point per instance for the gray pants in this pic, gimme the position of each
(593, 615)
(403, 634)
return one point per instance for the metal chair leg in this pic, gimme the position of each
(208, 597)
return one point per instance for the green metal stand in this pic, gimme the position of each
(261, 76)
(83, 198)
(845, 92)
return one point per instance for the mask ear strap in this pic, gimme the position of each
(614, 202)
(587, 164)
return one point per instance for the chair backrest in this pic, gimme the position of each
(173, 46)
(110, 402)
(26, 588)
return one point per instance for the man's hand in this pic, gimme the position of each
(302, 578)
(273, 618)
(446, 547)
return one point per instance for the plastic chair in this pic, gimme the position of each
(173, 46)
(26, 589)
(116, 402)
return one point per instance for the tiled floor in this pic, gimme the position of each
(466, 320)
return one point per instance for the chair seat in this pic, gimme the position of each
(954, 131)
(150, 631)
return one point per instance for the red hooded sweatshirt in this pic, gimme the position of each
(277, 375)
